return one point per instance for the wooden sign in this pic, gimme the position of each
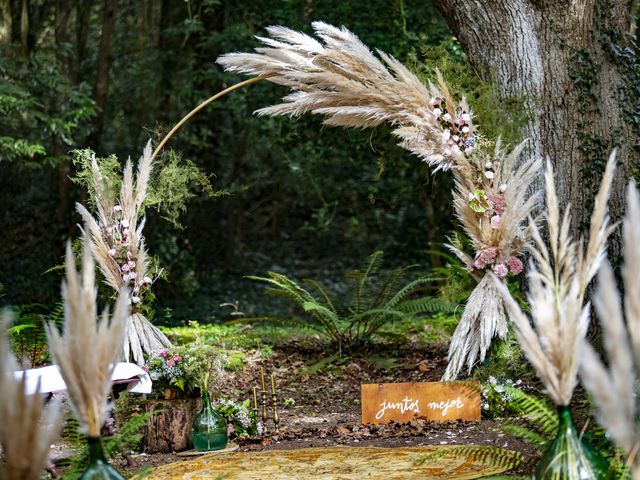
(404, 402)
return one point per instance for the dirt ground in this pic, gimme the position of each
(323, 405)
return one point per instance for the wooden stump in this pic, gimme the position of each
(169, 430)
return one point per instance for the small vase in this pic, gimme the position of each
(209, 429)
(98, 468)
(570, 457)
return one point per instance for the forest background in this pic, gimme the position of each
(300, 199)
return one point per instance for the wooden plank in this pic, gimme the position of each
(404, 402)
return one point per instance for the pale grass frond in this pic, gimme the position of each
(482, 320)
(342, 80)
(613, 387)
(87, 351)
(145, 165)
(631, 250)
(599, 228)
(27, 428)
(553, 338)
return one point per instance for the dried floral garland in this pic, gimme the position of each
(338, 77)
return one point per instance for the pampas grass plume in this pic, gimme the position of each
(27, 426)
(87, 351)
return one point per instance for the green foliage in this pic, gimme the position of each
(350, 321)
(485, 455)
(126, 438)
(27, 334)
(239, 415)
(41, 111)
(174, 182)
(537, 414)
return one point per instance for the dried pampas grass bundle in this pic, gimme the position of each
(87, 352)
(27, 426)
(338, 77)
(558, 279)
(613, 389)
(118, 245)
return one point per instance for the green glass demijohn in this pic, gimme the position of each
(98, 468)
(209, 429)
(570, 457)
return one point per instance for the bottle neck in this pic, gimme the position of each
(96, 451)
(206, 400)
(565, 419)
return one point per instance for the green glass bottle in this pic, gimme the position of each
(570, 457)
(209, 429)
(98, 468)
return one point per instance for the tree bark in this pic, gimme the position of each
(6, 22)
(564, 58)
(105, 59)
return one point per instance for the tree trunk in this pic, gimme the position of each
(6, 22)
(105, 59)
(575, 68)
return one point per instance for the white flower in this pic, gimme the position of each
(468, 150)
(496, 221)
(446, 117)
(465, 129)
(455, 138)
(131, 264)
(135, 299)
(436, 112)
(488, 165)
(112, 252)
(466, 117)
(117, 208)
(147, 279)
(455, 149)
(125, 267)
(446, 135)
(503, 188)
(125, 223)
(434, 101)
(489, 174)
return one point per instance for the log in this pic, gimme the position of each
(169, 430)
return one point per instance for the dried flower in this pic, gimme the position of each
(500, 270)
(515, 265)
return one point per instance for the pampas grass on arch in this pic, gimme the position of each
(118, 246)
(336, 76)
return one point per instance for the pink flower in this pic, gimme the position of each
(164, 353)
(131, 264)
(112, 252)
(500, 270)
(434, 101)
(126, 267)
(177, 357)
(489, 254)
(515, 265)
(170, 362)
(478, 263)
(498, 203)
(146, 368)
(496, 221)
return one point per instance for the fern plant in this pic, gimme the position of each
(373, 300)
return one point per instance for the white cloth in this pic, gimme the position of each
(51, 380)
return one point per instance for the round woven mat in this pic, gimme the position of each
(345, 463)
